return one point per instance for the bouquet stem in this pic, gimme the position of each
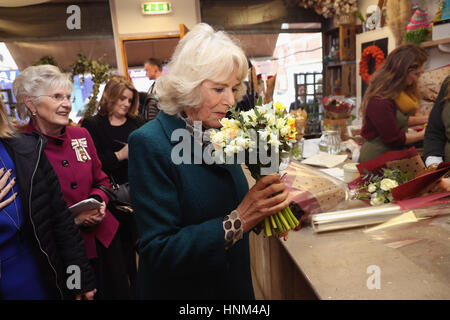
(267, 229)
(280, 222)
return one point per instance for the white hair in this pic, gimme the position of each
(35, 81)
(203, 54)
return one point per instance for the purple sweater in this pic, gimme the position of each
(380, 120)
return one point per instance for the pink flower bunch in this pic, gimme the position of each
(336, 105)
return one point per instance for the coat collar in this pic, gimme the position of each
(26, 144)
(170, 124)
(52, 140)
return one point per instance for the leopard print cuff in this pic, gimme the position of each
(232, 225)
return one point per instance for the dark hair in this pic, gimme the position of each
(388, 81)
(154, 62)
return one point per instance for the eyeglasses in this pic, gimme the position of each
(59, 97)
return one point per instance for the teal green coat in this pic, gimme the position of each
(179, 212)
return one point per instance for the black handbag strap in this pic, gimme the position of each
(108, 192)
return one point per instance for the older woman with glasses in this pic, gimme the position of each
(43, 94)
(39, 241)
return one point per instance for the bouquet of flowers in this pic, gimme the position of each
(259, 138)
(337, 107)
(388, 177)
(377, 188)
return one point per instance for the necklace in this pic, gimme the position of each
(16, 225)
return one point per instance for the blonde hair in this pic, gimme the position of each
(6, 129)
(390, 79)
(203, 54)
(113, 91)
(35, 81)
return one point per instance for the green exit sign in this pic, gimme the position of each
(156, 7)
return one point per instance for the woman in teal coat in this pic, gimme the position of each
(193, 216)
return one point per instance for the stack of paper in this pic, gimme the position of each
(325, 160)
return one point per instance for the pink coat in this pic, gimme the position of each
(75, 161)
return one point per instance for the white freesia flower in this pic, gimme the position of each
(274, 142)
(285, 130)
(218, 139)
(230, 150)
(263, 134)
(280, 123)
(249, 118)
(264, 109)
(251, 113)
(388, 184)
(270, 118)
(242, 142)
(372, 188)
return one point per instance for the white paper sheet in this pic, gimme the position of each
(325, 160)
(335, 172)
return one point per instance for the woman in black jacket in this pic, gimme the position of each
(116, 120)
(437, 135)
(42, 254)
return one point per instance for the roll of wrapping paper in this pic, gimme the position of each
(351, 218)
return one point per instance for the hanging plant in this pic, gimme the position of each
(371, 52)
(45, 60)
(100, 74)
(329, 8)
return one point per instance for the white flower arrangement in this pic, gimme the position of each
(378, 188)
(270, 123)
(254, 131)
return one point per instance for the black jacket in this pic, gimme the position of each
(98, 127)
(435, 138)
(48, 224)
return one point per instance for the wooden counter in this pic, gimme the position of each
(413, 260)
